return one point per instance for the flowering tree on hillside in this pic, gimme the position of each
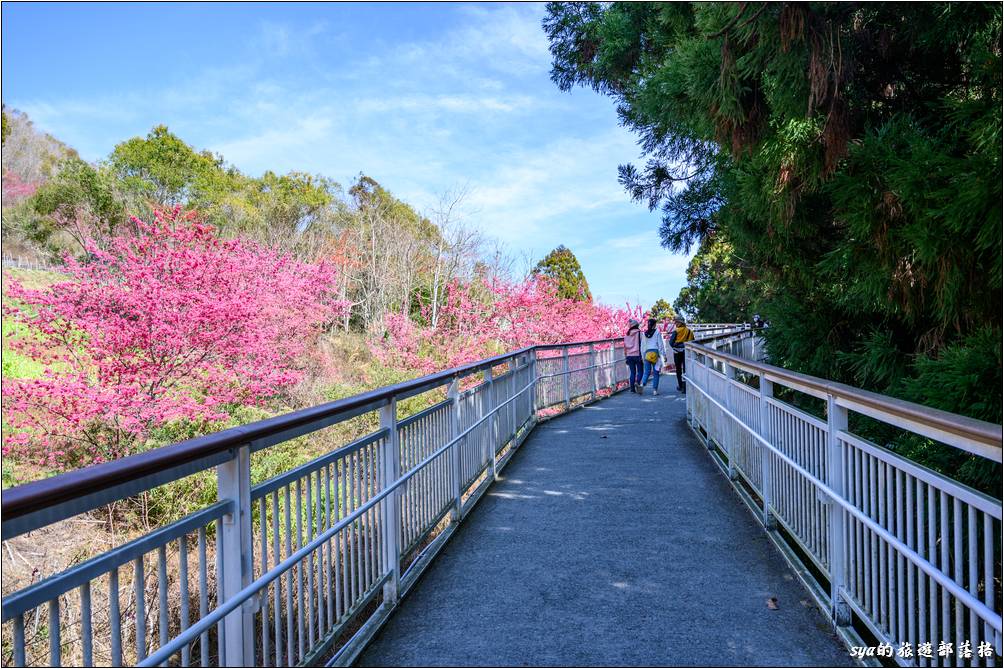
(15, 188)
(170, 323)
(484, 318)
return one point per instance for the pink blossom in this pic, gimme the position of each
(171, 323)
(483, 318)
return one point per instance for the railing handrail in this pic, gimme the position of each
(46, 493)
(979, 431)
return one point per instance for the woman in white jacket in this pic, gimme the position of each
(653, 355)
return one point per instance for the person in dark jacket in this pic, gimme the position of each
(678, 339)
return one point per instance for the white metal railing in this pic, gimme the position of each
(303, 566)
(908, 554)
(11, 262)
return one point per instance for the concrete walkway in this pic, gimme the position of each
(612, 540)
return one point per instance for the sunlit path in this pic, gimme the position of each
(612, 539)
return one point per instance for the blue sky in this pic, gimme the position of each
(422, 97)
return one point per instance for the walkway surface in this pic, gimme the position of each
(613, 539)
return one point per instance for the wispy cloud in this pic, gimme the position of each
(471, 104)
(285, 39)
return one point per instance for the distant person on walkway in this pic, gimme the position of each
(632, 353)
(654, 355)
(677, 341)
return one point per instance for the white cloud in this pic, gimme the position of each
(284, 39)
(472, 106)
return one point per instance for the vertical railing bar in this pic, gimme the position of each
(957, 546)
(357, 530)
(19, 660)
(184, 613)
(290, 575)
(883, 496)
(390, 471)
(203, 597)
(988, 575)
(263, 552)
(453, 393)
(344, 534)
(930, 553)
(277, 586)
(913, 638)
(139, 589)
(927, 618)
(308, 563)
(565, 376)
(974, 568)
(836, 420)
(329, 598)
(945, 568)
(235, 533)
(55, 642)
(114, 618)
(162, 593)
(221, 633)
(337, 543)
(86, 632)
(298, 568)
(364, 495)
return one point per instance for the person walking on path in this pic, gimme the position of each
(678, 339)
(632, 354)
(654, 356)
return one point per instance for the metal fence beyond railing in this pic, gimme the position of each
(898, 553)
(12, 262)
(303, 567)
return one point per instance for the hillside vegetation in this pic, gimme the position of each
(192, 297)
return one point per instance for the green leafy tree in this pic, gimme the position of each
(562, 267)
(721, 287)
(662, 310)
(167, 171)
(848, 154)
(77, 203)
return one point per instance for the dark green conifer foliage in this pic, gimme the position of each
(563, 268)
(850, 157)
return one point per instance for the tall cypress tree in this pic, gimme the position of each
(849, 154)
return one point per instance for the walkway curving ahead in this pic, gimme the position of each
(612, 539)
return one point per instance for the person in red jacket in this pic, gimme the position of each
(632, 354)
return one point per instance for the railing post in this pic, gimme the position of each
(565, 378)
(766, 392)
(592, 369)
(533, 389)
(488, 405)
(836, 420)
(731, 431)
(688, 366)
(233, 483)
(391, 516)
(453, 394)
(511, 407)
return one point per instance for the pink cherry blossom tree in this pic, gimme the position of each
(171, 322)
(484, 318)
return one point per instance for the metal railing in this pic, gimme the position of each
(11, 262)
(302, 567)
(893, 550)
